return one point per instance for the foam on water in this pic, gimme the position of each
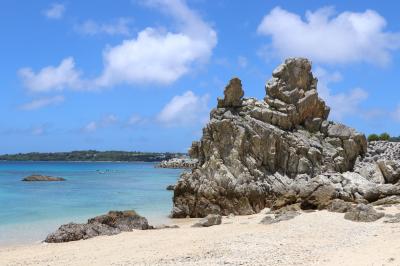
(30, 210)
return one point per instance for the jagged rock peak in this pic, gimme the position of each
(233, 94)
(292, 95)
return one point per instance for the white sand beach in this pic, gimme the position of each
(314, 238)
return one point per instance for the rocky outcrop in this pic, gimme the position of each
(36, 178)
(381, 164)
(178, 163)
(276, 152)
(109, 224)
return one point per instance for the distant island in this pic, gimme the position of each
(92, 155)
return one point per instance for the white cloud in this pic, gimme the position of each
(52, 78)
(325, 38)
(154, 56)
(55, 11)
(104, 122)
(118, 27)
(185, 109)
(342, 104)
(42, 102)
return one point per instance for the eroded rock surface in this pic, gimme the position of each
(363, 213)
(276, 152)
(109, 224)
(209, 220)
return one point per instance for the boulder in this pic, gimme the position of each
(363, 213)
(279, 217)
(35, 178)
(73, 232)
(338, 205)
(109, 224)
(209, 220)
(123, 220)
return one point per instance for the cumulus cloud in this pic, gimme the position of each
(52, 77)
(342, 104)
(55, 11)
(325, 38)
(42, 102)
(185, 109)
(119, 27)
(154, 56)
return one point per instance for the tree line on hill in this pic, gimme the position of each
(383, 137)
(92, 155)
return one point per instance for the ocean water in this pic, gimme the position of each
(31, 210)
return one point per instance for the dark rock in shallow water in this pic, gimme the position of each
(34, 178)
(363, 213)
(209, 220)
(109, 224)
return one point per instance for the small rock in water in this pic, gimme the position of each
(209, 220)
(35, 178)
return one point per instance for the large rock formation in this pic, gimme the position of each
(255, 154)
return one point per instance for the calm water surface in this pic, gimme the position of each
(31, 210)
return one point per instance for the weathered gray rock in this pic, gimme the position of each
(209, 220)
(109, 224)
(338, 205)
(279, 217)
(363, 213)
(392, 218)
(381, 164)
(123, 220)
(73, 232)
(273, 153)
(387, 201)
(36, 178)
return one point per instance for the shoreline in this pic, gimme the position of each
(312, 238)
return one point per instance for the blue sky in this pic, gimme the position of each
(143, 75)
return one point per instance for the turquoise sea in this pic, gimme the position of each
(31, 210)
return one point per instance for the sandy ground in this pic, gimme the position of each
(315, 238)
